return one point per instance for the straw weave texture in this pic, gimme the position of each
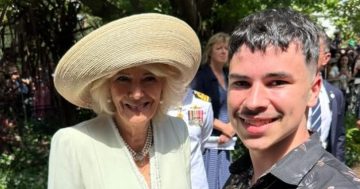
(127, 42)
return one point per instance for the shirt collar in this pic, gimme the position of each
(291, 169)
(295, 165)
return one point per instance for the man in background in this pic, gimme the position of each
(327, 117)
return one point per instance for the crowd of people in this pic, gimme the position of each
(168, 114)
(343, 70)
(22, 98)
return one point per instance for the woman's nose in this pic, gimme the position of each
(136, 91)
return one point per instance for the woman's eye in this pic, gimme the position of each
(122, 78)
(150, 78)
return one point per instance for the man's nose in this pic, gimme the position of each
(257, 97)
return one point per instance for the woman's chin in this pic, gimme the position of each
(139, 120)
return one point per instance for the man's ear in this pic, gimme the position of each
(326, 59)
(314, 90)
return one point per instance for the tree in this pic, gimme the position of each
(38, 33)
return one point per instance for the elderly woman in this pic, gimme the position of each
(129, 72)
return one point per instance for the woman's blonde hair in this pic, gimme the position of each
(171, 95)
(220, 37)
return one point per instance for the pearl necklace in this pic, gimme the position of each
(139, 157)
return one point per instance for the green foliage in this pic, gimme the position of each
(240, 150)
(5, 169)
(25, 166)
(352, 153)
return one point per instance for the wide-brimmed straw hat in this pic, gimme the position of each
(127, 42)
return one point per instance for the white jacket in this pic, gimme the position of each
(92, 155)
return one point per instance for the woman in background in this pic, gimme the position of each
(211, 79)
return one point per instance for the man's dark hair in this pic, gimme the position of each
(277, 27)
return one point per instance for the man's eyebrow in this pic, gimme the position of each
(238, 76)
(278, 75)
(268, 75)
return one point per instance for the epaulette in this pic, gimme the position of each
(202, 96)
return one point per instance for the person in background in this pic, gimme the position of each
(357, 88)
(211, 80)
(356, 70)
(336, 42)
(273, 81)
(17, 93)
(129, 77)
(327, 117)
(355, 92)
(344, 78)
(196, 111)
(334, 73)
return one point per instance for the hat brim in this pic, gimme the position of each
(131, 41)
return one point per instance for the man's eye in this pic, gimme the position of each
(240, 84)
(277, 83)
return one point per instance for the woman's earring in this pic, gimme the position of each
(161, 102)
(108, 100)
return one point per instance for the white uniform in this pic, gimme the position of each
(197, 112)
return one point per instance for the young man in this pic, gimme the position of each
(273, 81)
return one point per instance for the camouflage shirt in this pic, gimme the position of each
(307, 166)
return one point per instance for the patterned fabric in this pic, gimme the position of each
(197, 113)
(217, 164)
(316, 117)
(223, 114)
(216, 161)
(206, 82)
(308, 166)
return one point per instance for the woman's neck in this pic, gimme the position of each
(133, 135)
(216, 67)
